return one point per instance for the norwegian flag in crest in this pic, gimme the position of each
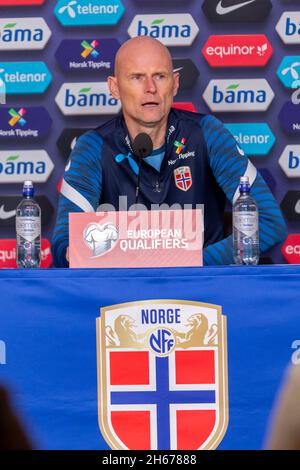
(164, 401)
(183, 178)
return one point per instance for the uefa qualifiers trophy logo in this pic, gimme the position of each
(2, 89)
(100, 238)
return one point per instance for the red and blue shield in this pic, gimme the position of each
(183, 178)
(162, 375)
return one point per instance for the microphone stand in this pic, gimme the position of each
(138, 180)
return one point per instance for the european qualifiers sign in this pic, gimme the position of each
(172, 29)
(19, 165)
(24, 122)
(224, 11)
(23, 34)
(244, 50)
(91, 55)
(25, 77)
(86, 99)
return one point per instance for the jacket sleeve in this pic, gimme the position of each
(80, 190)
(228, 163)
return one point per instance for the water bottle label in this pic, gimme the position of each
(246, 222)
(28, 227)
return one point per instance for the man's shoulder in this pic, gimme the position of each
(198, 119)
(108, 127)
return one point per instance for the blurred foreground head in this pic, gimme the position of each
(284, 432)
(12, 433)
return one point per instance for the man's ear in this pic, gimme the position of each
(176, 83)
(113, 87)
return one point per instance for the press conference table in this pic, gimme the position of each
(48, 354)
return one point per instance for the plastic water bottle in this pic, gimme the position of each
(28, 229)
(245, 226)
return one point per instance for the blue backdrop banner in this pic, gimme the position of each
(181, 358)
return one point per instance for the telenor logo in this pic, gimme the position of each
(290, 161)
(238, 95)
(17, 165)
(89, 12)
(251, 50)
(20, 123)
(289, 117)
(253, 138)
(23, 34)
(289, 71)
(82, 54)
(288, 27)
(25, 77)
(86, 99)
(237, 10)
(170, 29)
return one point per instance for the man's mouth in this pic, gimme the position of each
(150, 104)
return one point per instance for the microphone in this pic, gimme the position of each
(142, 147)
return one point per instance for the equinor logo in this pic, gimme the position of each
(170, 29)
(86, 98)
(88, 12)
(238, 95)
(23, 33)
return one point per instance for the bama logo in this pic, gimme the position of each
(253, 138)
(92, 55)
(25, 77)
(17, 123)
(170, 29)
(23, 33)
(289, 161)
(288, 27)
(86, 99)
(238, 95)
(249, 50)
(88, 12)
(8, 253)
(17, 165)
(291, 249)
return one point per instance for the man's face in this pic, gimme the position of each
(146, 85)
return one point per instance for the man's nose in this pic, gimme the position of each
(150, 85)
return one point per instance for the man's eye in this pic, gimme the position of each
(159, 76)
